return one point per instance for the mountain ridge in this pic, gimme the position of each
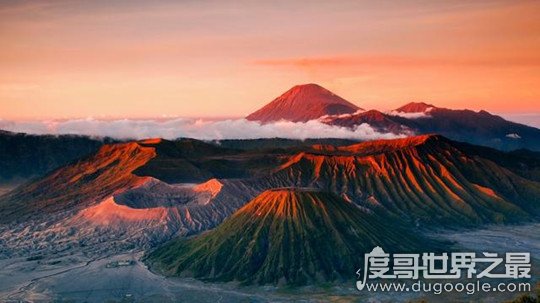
(414, 118)
(429, 176)
(378, 173)
(140, 194)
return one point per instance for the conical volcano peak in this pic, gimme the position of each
(302, 103)
(287, 201)
(310, 94)
(249, 246)
(309, 88)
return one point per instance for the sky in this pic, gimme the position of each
(140, 59)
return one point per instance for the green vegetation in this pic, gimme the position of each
(285, 237)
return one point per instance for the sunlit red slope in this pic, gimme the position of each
(117, 168)
(303, 103)
(139, 192)
(422, 179)
(107, 172)
(285, 236)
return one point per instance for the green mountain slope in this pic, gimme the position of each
(284, 236)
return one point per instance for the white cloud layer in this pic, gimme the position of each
(418, 115)
(194, 128)
(330, 117)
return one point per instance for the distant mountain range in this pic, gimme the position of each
(312, 102)
(24, 156)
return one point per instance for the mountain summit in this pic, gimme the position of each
(415, 107)
(303, 103)
(284, 236)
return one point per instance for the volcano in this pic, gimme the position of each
(284, 236)
(303, 103)
(312, 102)
(440, 181)
(479, 128)
(142, 193)
(425, 178)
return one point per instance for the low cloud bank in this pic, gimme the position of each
(418, 115)
(194, 128)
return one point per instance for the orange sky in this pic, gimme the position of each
(63, 59)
